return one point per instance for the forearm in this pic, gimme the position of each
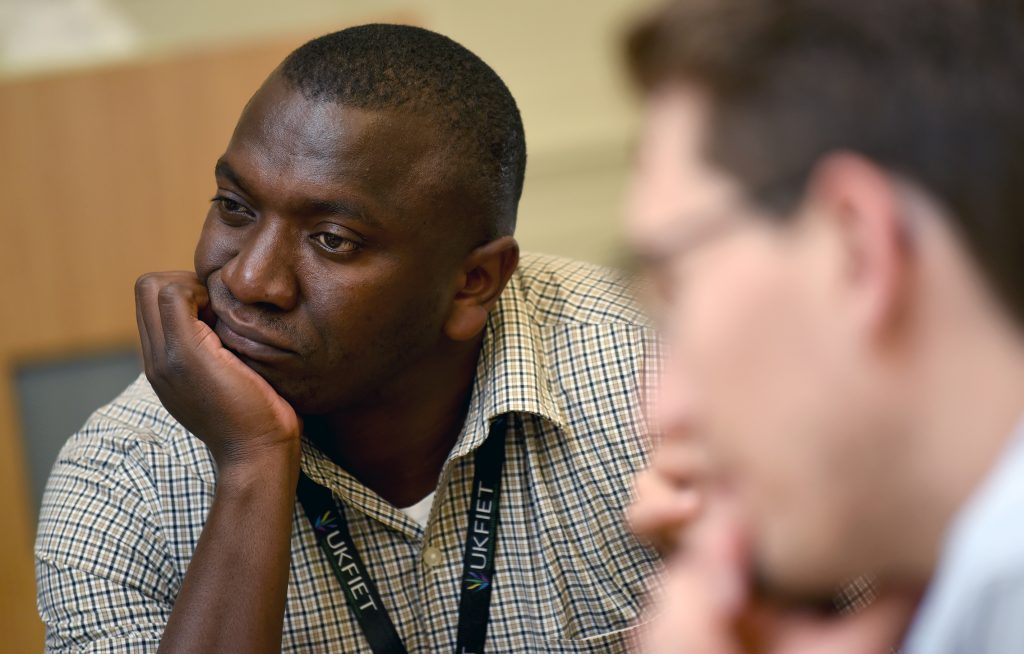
(233, 596)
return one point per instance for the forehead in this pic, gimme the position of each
(673, 182)
(290, 144)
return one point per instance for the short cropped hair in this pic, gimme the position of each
(407, 68)
(930, 89)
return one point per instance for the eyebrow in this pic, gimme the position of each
(305, 206)
(224, 169)
(319, 207)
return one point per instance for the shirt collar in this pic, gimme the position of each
(325, 472)
(511, 377)
(511, 374)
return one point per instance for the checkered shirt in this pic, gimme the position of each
(566, 354)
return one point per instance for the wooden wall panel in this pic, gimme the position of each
(104, 175)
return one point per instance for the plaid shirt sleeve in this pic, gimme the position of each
(106, 581)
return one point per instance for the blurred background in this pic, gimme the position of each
(112, 113)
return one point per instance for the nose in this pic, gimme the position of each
(262, 271)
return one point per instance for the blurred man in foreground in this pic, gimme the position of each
(829, 200)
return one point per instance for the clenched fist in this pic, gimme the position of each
(239, 416)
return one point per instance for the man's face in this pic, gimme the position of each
(762, 356)
(328, 259)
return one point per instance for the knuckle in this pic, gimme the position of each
(145, 284)
(169, 292)
(642, 483)
(173, 291)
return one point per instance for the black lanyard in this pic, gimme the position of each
(331, 529)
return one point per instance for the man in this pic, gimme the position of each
(460, 430)
(829, 198)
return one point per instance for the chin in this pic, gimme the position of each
(302, 395)
(794, 591)
(801, 576)
(298, 388)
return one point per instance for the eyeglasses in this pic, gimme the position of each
(784, 190)
(683, 242)
(648, 272)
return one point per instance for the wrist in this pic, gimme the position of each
(268, 467)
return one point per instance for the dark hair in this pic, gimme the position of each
(412, 69)
(931, 89)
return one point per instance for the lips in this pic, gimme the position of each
(250, 342)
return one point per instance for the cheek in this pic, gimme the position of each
(722, 327)
(213, 249)
(761, 355)
(762, 349)
(745, 357)
(376, 316)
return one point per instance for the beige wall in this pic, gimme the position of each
(105, 172)
(104, 175)
(560, 58)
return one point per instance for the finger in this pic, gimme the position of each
(179, 304)
(717, 547)
(654, 487)
(661, 508)
(681, 617)
(149, 288)
(147, 350)
(669, 539)
(683, 463)
(148, 317)
(199, 294)
(206, 313)
(668, 496)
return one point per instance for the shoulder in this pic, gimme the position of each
(595, 338)
(593, 332)
(597, 349)
(116, 479)
(134, 429)
(562, 291)
(977, 616)
(977, 596)
(113, 492)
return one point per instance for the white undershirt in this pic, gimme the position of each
(420, 511)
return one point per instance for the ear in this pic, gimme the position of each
(863, 205)
(483, 277)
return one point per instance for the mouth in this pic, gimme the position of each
(250, 343)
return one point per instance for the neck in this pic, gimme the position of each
(397, 444)
(970, 406)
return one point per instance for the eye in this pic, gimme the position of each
(334, 243)
(229, 206)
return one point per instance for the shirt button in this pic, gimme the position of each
(432, 557)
